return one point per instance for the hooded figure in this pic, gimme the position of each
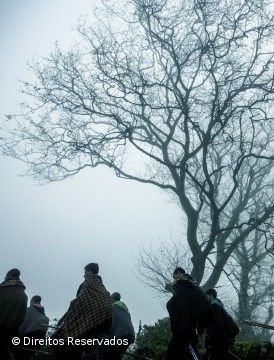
(189, 310)
(13, 305)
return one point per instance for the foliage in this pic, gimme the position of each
(52, 327)
(253, 350)
(153, 341)
(154, 338)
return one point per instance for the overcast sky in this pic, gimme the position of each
(50, 232)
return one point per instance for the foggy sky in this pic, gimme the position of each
(51, 232)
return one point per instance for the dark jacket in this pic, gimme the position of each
(13, 304)
(188, 309)
(121, 326)
(35, 320)
(216, 333)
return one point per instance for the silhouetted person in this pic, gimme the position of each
(189, 310)
(35, 323)
(92, 268)
(221, 332)
(89, 315)
(13, 306)
(121, 328)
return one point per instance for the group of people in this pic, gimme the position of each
(95, 314)
(197, 317)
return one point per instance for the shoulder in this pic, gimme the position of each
(21, 293)
(217, 304)
(217, 310)
(118, 309)
(185, 289)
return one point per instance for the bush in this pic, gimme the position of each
(153, 341)
(253, 351)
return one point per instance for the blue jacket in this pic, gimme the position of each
(121, 326)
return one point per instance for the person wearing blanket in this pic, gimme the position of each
(89, 316)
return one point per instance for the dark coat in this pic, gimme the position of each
(121, 326)
(13, 304)
(188, 309)
(216, 333)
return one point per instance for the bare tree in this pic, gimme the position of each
(250, 271)
(155, 265)
(173, 94)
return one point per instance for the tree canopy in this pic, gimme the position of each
(174, 94)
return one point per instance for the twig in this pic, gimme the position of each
(254, 323)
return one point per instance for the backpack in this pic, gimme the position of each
(231, 327)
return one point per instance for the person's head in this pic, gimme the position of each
(13, 274)
(211, 294)
(178, 271)
(115, 297)
(92, 268)
(36, 300)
